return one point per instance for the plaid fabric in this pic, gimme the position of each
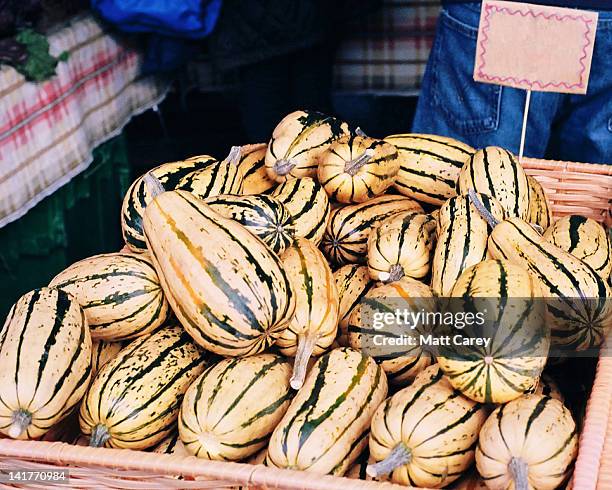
(383, 53)
(48, 130)
(386, 52)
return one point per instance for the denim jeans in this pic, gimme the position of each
(559, 126)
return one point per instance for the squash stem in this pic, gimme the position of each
(21, 420)
(99, 436)
(399, 456)
(154, 186)
(306, 345)
(519, 472)
(359, 132)
(353, 166)
(283, 166)
(484, 212)
(234, 155)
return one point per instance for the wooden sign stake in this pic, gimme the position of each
(524, 129)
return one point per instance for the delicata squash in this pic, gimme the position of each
(342, 390)
(579, 306)
(45, 362)
(356, 168)
(425, 435)
(313, 327)
(297, 143)
(134, 400)
(229, 412)
(226, 287)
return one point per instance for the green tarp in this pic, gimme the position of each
(79, 220)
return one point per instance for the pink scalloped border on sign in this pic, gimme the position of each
(551, 14)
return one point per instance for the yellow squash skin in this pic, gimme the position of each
(255, 179)
(353, 282)
(137, 197)
(401, 246)
(495, 172)
(527, 443)
(314, 325)
(429, 165)
(432, 431)
(357, 168)
(585, 239)
(134, 400)
(580, 313)
(225, 286)
(223, 177)
(406, 362)
(230, 411)
(297, 143)
(308, 204)
(462, 240)
(102, 352)
(120, 293)
(346, 237)
(45, 362)
(326, 426)
(539, 207)
(513, 361)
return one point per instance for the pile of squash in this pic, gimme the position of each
(231, 325)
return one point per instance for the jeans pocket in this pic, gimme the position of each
(470, 107)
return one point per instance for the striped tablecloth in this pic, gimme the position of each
(48, 130)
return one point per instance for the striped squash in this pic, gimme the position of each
(528, 443)
(297, 143)
(172, 445)
(252, 164)
(401, 246)
(425, 435)
(45, 362)
(585, 239)
(102, 352)
(223, 177)
(353, 283)
(495, 172)
(547, 386)
(308, 204)
(462, 240)
(539, 208)
(346, 236)
(229, 412)
(357, 168)
(429, 165)
(120, 293)
(580, 311)
(226, 287)
(401, 363)
(314, 326)
(137, 197)
(264, 216)
(326, 426)
(134, 400)
(512, 362)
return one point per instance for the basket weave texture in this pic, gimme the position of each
(573, 188)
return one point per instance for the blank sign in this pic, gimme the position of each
(535, 47)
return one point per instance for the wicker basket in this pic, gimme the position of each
(572, 188)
